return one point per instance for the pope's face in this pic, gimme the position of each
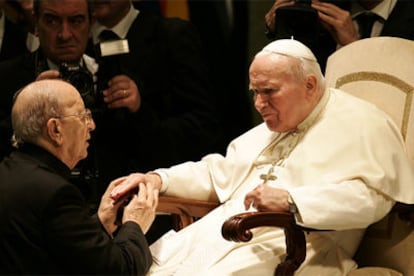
(63, 28)
(279, 97)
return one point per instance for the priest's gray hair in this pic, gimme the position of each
(298, 51)
(30, 118)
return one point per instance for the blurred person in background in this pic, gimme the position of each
(341, 22)
(171, 113)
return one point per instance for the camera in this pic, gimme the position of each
(81, 79)
(300, 21)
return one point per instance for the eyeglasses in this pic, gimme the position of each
(85, 115)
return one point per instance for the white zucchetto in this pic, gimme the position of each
(290, 47)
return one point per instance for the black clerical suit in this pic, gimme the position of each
(176, 121)
(46, 228)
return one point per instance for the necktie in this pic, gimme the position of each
(107, 35)
(365, 23)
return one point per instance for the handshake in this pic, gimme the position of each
(131, 198)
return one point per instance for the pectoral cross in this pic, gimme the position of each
(268, 176)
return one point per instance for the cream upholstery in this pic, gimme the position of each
(381, 70)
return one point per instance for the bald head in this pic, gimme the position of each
(51, 114)
(35, 104)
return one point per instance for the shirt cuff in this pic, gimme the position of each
(164, 179)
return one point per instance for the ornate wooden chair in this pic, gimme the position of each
(380, 70)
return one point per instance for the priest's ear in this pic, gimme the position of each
(54, 131)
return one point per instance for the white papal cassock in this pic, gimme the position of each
(344, 168)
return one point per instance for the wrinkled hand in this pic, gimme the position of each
(108, 210)
(129, 184)
(122, 92)
(270, 17)
(337, 21)
(265, 198)
(49, 74)
(141, 209)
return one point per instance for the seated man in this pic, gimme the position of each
(335, 161)
(46, 228)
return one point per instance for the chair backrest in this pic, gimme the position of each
(381, 70)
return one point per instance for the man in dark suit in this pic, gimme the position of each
(63, 29)
(171, 116)
(46, 226)
(340, 20)
(156, 111)
(57, 45)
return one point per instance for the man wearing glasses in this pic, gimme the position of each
(46, 228)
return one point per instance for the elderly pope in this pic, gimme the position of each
(318, 148)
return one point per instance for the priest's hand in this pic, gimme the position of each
(129, 184)
(141, 208)
(266, 198)
(108, 210)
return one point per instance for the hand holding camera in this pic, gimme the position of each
(337, 21)
(48, 74)
(305, 20)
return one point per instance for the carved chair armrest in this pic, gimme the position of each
(238, 228)
(184, 211)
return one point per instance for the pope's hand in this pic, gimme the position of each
(129, 184)
(266, 198)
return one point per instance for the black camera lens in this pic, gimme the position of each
(81, 79)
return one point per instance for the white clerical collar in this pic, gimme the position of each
(283, 143)
(383, 9)
(121, 29)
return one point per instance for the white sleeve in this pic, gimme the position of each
(347, 205)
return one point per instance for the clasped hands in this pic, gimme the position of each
(139, 206)
(262, 198)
